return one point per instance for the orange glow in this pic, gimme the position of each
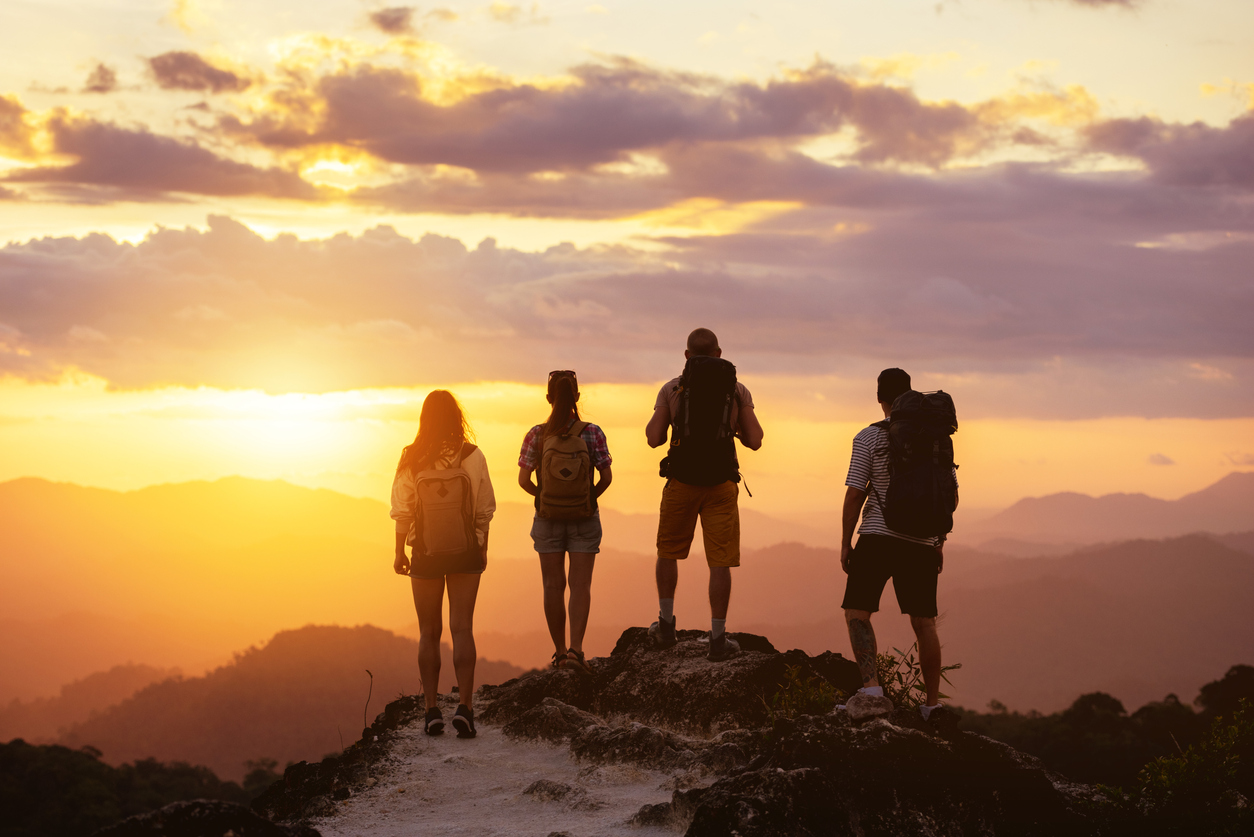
(79, 431)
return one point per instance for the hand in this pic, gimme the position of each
(846, 552)
(940, 558)
(401, 564)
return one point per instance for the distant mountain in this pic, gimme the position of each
(181, 575)
(38, 721)
(1226, 506)
(1240, 541)
(289, 700)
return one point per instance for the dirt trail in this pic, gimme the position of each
(445, 786)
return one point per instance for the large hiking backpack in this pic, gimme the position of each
(922, 492)
(565, 476)
(703, 449)
(444, 526)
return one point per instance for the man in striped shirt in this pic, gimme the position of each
(912, 563)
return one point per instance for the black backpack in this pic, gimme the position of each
(703, 449)
(922, 491)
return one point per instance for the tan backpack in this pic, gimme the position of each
(565, 476)
(444, 526)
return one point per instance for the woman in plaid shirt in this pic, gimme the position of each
(554, 538)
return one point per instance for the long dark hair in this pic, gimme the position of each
(564, 394)
(442, 430)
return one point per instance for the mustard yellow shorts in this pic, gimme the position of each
(716, 505)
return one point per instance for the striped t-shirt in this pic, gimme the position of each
(868, 471)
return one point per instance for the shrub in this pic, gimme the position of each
(801, 696)
(901, 676)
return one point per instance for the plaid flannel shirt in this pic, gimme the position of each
(593, 437)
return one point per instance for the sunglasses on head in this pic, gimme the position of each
(557, 373)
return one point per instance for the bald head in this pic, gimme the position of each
(702, 341)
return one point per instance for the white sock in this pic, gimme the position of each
(717, 627)
(927, 710)
(877, 691)
(667, 607)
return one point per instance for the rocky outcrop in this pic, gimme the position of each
(826, 775)
(736, 767)
(202, 818)
(677, 689)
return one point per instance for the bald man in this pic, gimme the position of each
(702, 483)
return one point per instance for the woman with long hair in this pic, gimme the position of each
(563, 454)
(442, 502)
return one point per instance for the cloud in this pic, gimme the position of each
(395, 20)
(181, 70)
(1029, 326)
(1160, 459)
(102, 79)
(1196, 154)
(138, 162)
(16, 133)
(605, 113)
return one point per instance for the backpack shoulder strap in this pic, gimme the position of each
(577, 428)
(881, 424)
(467, 450)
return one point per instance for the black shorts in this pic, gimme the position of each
(913, 567)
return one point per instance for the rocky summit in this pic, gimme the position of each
(737, 760)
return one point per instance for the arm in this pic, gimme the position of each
(854, 499)
(604, 478)
(524, 480)
(401, 562)
(749, 429)
(485, 504)
(656, 430)
(404, 506)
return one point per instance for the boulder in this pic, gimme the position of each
(675, 688)
(552, 721)
(202, 818)
(824, 777)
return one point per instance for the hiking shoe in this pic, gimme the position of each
(663, 633)
(864, 707)
(722, 647)
(434, 724)
(576, 662)
(464, 722)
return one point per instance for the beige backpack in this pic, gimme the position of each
(444, 526)
(565, 476)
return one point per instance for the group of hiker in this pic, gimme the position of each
(901, 483)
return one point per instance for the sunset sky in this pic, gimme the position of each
(248, 237)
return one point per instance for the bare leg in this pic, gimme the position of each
(862, 638)
(929, 655)
(553, 572)
(463, 589)
(581, 564)
(667, 577)
(720, 591)
(429, 602)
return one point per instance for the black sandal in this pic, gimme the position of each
(558, 661)
(575, 660)
(434, 725)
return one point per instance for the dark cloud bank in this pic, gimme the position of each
(1136, 332)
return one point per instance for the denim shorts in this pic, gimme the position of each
(567, 535)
